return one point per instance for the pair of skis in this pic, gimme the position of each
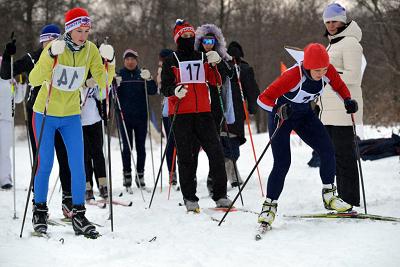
(103, 203)
(265, 227)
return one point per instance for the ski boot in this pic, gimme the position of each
(210, 186)
(81, 224)
(89, 195)
(174, 182)
(140, 179)
(223, 202)
(192, 206)
(231, 173)
(268, 212)
(6, 187)
(128, 182)
(39, 219)
(103, 190)
(333, 202)
(66, 205)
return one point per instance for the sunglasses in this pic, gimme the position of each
(208, 41)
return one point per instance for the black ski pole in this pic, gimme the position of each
(221, 104)
(110, 195)
(357, 148)
(35, 162)
(252, 171)
(165, 151)
(13, 129)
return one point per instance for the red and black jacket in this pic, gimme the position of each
(197, 98)
(285, 88)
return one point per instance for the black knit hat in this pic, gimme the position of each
(235, 50)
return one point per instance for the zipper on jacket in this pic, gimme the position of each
(195, 94)
(73, 56)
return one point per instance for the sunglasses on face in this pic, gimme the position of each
(208, 41)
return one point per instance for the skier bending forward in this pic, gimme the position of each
(288, 98)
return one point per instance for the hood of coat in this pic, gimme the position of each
(220, 46)
(352, 30)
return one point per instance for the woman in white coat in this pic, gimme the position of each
(6, 124)
(345, 53)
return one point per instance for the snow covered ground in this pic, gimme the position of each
(195, 240)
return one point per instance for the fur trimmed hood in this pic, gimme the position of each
(220, 46)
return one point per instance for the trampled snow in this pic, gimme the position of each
(195, 239)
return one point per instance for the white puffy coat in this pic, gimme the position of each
(346, 56)
(6, 97)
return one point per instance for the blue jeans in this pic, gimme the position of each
(70, 128)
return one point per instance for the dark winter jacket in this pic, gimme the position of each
(224, 67)
(132, 96)
(250, 93)
(24, 64)
(197, 98)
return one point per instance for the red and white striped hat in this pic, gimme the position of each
(75, 18)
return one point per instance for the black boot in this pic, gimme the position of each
(81, 224)
(141, 180)
(66, 205)
(127, 179)
(39, 219)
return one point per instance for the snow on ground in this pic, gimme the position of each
(195, 240)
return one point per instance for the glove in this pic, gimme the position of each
(180, 91)
(145, 74)
(57, 48)
(350, 105)
(107, 52)
(213, 57)
(118, 80)
(284, 111)
(90, 83)
(11, 48)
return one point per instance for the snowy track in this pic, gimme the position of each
(195, 239)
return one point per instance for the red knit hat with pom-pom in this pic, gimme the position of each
(75, 18)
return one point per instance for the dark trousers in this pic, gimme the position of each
(139, 128)
(94, 157)
(346, 163)
(171, 144)
(310, 129)
(190, 129)
(61, 153)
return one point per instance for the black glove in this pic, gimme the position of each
(11, 48)
(284, 111)
(350, 105)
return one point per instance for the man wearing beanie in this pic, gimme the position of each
(287, 101)
(24, 65)
(346, 55)
(184, 80)
(132, 97)
(63, 67)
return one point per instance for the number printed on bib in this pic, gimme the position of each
(68, 78)
(192, 72)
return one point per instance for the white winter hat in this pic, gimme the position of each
(334, 12)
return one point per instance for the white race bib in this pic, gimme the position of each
(68, 78)
(304, 97)
(192, 72)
